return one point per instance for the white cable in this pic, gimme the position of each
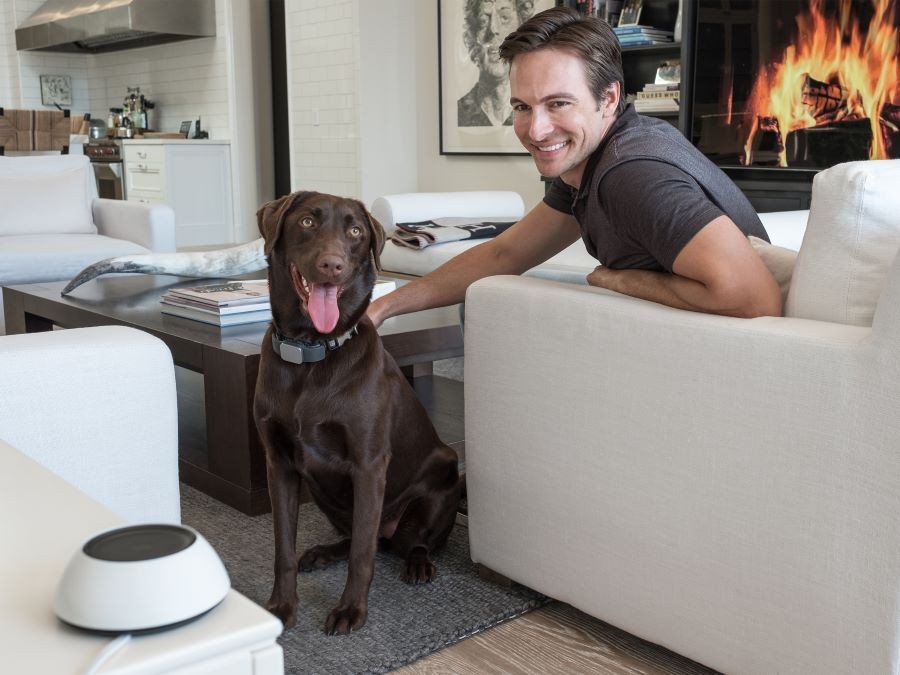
(108, 651)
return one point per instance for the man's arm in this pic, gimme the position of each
(542, 233)
(716, 272)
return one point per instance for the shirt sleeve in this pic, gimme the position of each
(656, 206)
(559, 196)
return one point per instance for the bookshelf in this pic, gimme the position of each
(639, 63)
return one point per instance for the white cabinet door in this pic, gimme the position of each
(194, 179)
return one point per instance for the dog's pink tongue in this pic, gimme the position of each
(323, 309)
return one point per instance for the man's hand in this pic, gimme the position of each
(603, 277)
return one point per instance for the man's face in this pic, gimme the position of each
(555, 115)
(496, 20)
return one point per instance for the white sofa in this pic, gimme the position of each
(571, 265)
(96, 406)
(728, 488)
(53, 225)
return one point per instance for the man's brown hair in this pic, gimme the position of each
(589, 37)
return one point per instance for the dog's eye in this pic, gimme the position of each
(307, 222)
(355, 231)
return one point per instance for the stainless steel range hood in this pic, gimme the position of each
(94, 26)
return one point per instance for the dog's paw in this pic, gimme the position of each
(419, 571)
(344, 619)
(319, 557)
(419, 568)
(285, 611)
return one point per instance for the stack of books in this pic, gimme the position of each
(634, 36)
(657, 98)
(233, 302)
(223, 304)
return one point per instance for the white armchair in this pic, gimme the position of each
(728, 488)
(96, 406)
(52, 225)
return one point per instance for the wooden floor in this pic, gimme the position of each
(554, 639)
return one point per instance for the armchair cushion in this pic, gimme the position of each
(33, 258)
(41, 196)
(851, 239)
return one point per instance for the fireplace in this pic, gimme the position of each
(797, 85)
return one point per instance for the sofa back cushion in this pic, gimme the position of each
(851, 240)
(50, 194)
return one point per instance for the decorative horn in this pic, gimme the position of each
(225, 262)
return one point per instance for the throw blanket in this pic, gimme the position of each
(440, 230)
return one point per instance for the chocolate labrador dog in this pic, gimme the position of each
(333, 409)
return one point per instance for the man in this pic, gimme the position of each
(666, 223)
(487, 22)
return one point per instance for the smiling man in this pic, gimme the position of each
(664, 222)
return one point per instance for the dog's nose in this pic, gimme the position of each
(330, 264)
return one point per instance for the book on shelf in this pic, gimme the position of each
(647, 106)
(655, 95)
(622, 31)
(640, 41)
(668, 86)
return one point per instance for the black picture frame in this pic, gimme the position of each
(464, 128)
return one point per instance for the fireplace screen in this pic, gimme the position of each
(797, 83)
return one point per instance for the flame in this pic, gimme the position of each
(837, 72)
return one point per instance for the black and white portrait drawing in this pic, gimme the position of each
(476, 116)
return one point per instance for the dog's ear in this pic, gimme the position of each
(376, 235)
(270, 217)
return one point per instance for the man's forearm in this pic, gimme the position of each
(669, 289)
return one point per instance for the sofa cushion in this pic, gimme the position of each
(780, 262)
(851, 240)
(46, 195)
(33, 258)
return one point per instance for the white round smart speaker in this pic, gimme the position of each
(141, 578)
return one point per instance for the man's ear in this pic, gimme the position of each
(611, 103)
(376, 235)
(270, 217)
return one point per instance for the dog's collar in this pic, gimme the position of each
(301, 351)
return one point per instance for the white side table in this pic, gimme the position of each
(43, 519)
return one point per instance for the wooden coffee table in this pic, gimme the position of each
(224, 457)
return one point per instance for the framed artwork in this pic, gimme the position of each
(631, 12)
(475, 115)
(56, 90)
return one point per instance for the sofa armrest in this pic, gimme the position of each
(150, 225)
(413, 207)
(97, 406)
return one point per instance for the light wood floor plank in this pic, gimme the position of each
(554, 639)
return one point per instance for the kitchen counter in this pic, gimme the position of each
(174, 141)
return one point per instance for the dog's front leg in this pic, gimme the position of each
(368, 500)
(284, 492)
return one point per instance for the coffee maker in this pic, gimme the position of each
(136, 112)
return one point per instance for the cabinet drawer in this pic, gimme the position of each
(144, 177)
(144, 153)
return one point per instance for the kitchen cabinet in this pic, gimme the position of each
(193, 177)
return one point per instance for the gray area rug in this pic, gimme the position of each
(405, 622)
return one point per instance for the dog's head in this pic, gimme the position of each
(324, 254)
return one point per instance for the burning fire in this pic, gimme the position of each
(837, 72)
